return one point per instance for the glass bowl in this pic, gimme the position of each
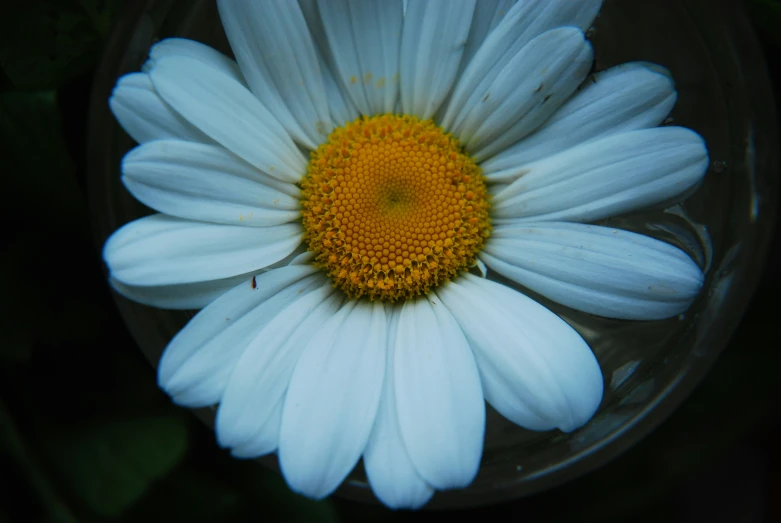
(649, 367)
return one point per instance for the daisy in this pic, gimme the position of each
(340, 200)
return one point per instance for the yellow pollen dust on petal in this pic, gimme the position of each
(392, 207)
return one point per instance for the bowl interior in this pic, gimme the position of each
(649, 367)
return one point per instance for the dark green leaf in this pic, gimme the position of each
(16, 344)
(101, 13)
(23, 305)
(28, 474)
(34, 158)
(188, 495)
(273, 495)
(32, 298)
(44, 44)
(109, 465)
(766, 16)
(42, 197)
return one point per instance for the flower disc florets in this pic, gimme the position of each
(392, 207)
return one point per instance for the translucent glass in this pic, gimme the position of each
(649, 367)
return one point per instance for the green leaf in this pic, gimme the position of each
(33, 475)
(273, 496)
(32, 299)
(49, 212)
(109, 465)
(766, 17)
(188, 495)
(16, 344)
(34, 159)
(44, 44)
(23, 305)
(101, 13)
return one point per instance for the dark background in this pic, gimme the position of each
(86, 436)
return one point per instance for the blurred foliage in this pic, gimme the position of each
(84, 431)
(45, 44)
(36, 164)
(110, 463)
(32, 136)
(766, 16)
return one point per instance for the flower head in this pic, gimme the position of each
(334, 199)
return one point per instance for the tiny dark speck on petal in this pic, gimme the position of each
(254, 283)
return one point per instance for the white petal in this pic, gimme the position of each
(192, 49)
(277, 56)
(530, 360)
(225, 110)
(268, 438)
(197, 295)
(600, 270)
(438, 397)
(522, 23)
(502, 393)
(525, 92)
(206, 183)
(163, 250)
(364, 39)
(432, 43)
(197, 363)
(486, 17)
(304, 258)
(145, 116)
(332, 399)
(606, 177)
(391, 474)
(481, 268)
(315, 25)
(340, 105)
(186, 296)
(624, 98)
(261, 376)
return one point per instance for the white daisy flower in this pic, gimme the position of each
(398, 148)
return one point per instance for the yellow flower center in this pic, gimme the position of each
(392, 207)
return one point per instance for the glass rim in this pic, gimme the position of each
(761, 105)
